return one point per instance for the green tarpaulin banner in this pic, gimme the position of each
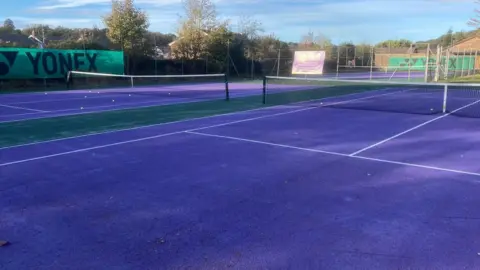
(20, 63)
(419, 63)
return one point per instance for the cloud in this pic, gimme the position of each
(341, 20)
(59, 4)
(69, 22)
(63, 4)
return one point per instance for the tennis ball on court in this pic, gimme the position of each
(113, 100)
(81, 108)
(85, 96)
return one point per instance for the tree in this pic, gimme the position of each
(312, 41)
(401, 43)
(200, 14)
(249, 30)
(8, 24)
(475, 21)
(250, 27)
(195, 28)
(127, 26)
(447, 39)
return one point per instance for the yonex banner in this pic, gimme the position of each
(308, 62)
(419, 63)
(20, 63)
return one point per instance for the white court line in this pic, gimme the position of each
(67, 99)
(157, 136)
(412, 129)
(143, 139)
(88, 149)
(174, 122)
(90, 110)
(179, 121)
(335, 153)
(21, 108)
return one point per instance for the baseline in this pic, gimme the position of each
(333, 153)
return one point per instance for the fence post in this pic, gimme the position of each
(278, 63)
(469, 60)
(426, 64)
(371, 62)
(437, 63)
(475, 63)
(447, 63)
(338, 59)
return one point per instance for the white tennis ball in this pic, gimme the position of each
(113, 100)
(81, 108)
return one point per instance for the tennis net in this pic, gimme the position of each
(387, 96)
(202, 86)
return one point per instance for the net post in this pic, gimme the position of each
(68, 78)
(131, 81)
(227, 91)
(445, 91)
(264, 90)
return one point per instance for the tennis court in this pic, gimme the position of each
(97, 93)
(339, 183)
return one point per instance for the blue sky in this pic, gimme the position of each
(340, 20)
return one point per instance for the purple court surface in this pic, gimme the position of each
(15, 107)
(278, 188)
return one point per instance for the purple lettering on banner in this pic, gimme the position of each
(308, 62)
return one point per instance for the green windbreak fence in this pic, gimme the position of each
(19, 63)
(419, 63)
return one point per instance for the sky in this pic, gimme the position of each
(341, 20)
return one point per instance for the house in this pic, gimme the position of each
(466, 45)
(15, 38)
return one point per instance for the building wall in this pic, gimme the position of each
(467, 44)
